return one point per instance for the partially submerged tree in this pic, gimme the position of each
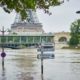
(75, 33)
(21, 6)
(74, 41)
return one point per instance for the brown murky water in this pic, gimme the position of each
(23, 65)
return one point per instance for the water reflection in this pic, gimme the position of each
(3, 73)
(25, 76)
(42, 77)
(3, 76)
(23, 65)
(26, 66)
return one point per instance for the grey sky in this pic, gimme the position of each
(60, 20)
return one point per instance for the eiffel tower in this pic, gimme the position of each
(30, 25)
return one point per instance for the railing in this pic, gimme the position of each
(25, 39)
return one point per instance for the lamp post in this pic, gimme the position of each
(3, 54)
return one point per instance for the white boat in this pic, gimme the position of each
(46, 51)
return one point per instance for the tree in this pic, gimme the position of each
(75, 33)
(21, 6)
(73, 41)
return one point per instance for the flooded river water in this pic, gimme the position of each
(24, 65)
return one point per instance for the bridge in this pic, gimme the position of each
(61, 39)
(27, 40)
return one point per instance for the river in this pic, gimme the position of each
(23, 65)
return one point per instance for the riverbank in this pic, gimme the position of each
(28, 50)
(75, 48)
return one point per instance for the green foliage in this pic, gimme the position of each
(75, 27)
(21, 6)
(75, 33)
(74, 41)
(14, 33)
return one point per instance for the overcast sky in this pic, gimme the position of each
(60, 20)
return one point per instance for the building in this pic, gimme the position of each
(61, 39)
